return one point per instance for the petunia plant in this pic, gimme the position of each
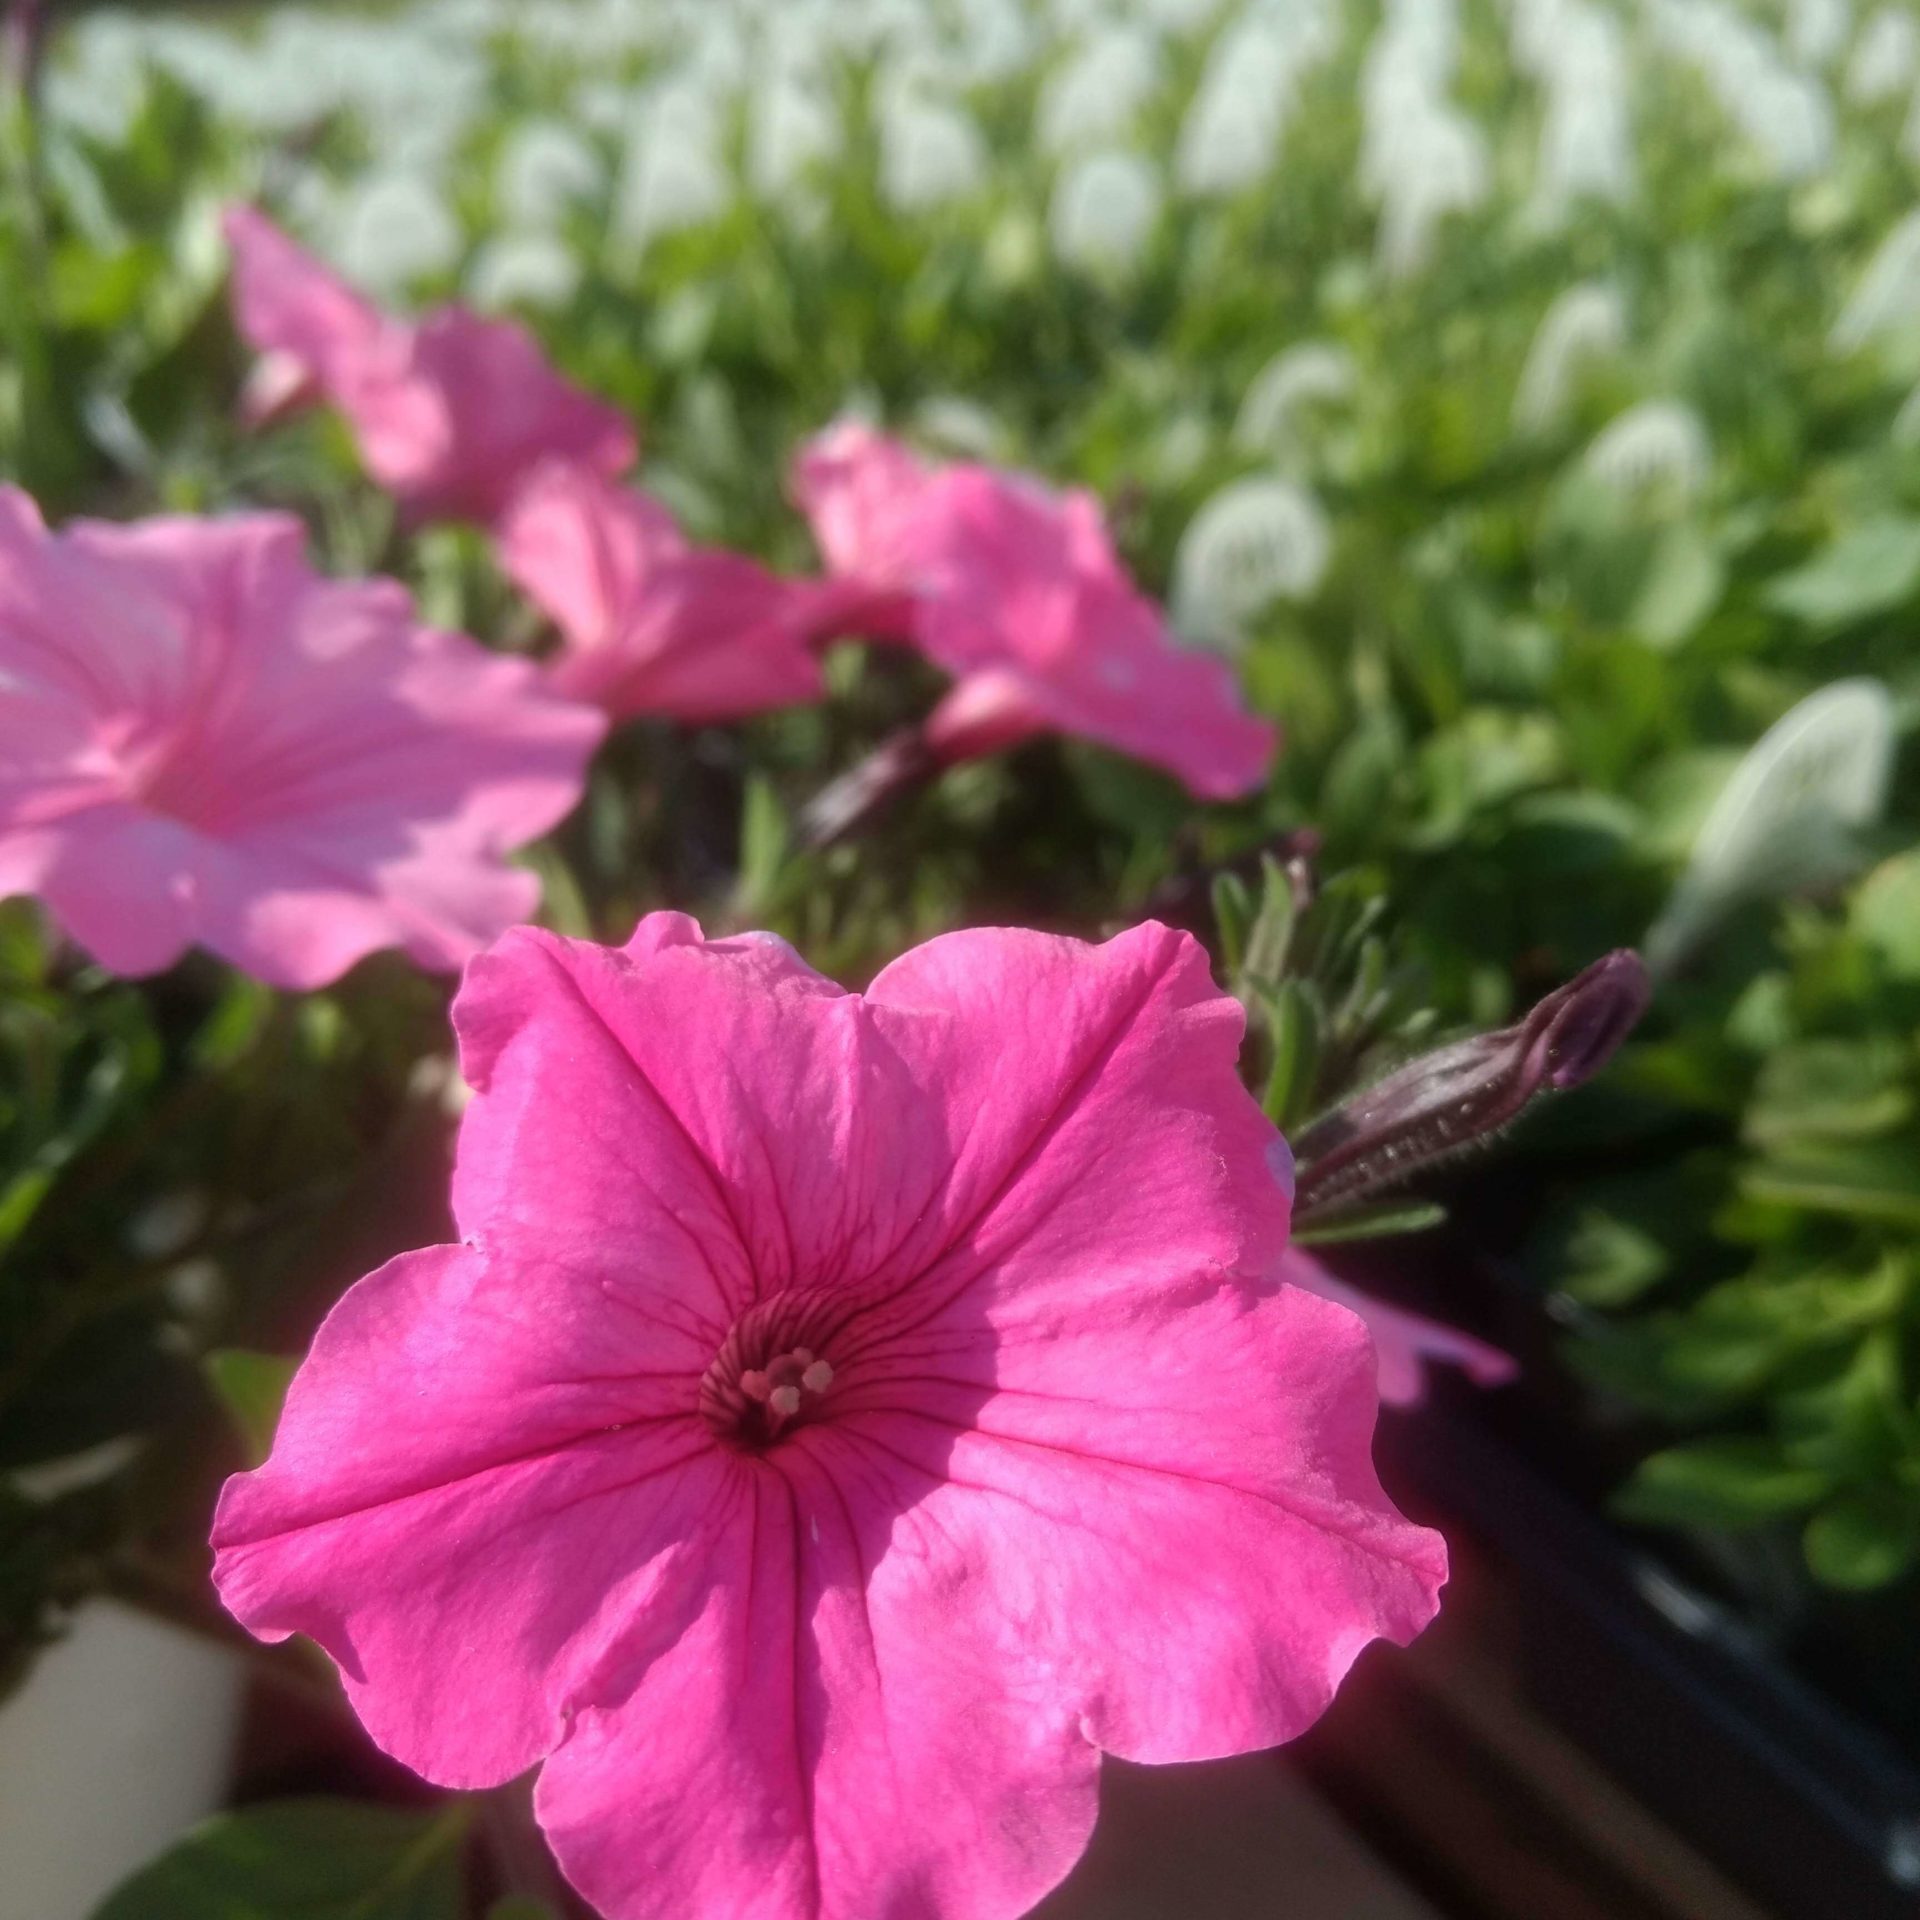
(1090, 450)
(920, 1378)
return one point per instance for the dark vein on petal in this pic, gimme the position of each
(551, 1450)
(721, 1190)
(802, 1779)
(1059, 1115)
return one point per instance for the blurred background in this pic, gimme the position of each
(1525, 395)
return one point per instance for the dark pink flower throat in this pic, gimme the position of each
(774, 1370)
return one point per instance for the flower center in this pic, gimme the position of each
(166, 766)
(773, 1371)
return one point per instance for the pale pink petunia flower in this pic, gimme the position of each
(203, 741)
(651, 623)
(450, 413)
(843, 1418)
(1404, 1343)
(1016, 591)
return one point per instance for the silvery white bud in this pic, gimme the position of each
(1254, 542)
(1656, 446)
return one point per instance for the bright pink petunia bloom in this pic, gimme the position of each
(201, 740)
(651, 623)
(843, 1417)
(451, 414)
(1405, 1344)
(1016, 591)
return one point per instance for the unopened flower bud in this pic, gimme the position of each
(1446, 1100)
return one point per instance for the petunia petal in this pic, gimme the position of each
(571, 1152)
(509, 412)
(1021, 580)
(1169, 1512)
(1404, 1343)
(1091, 1102)
(288, 304)
(651, 624)
(451, 414)
(584, 549)
(1100, 1336)
(1061, 1468)
(801, 1755)
(124, 886)
(861, 493)
(740, 1100)
(535, 1494)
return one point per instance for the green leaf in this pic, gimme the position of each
(1270, 938)
(1360, 776)
(563, 903)
(305, 1860)
(1829, 1090)
(1381, 1221)
(1601, 1258)
(1872, 569)
(1676, 797)
(253, 1386)
(1233, 915)
(1886, 915)
(20, 1200)
(765, 841)
(1683, 585)
(1294, 1024)
(1718, 1483)
(520, 1906)
(1864, 1539)
(1875, 1180)
(1847, 1411)
(235, 1023)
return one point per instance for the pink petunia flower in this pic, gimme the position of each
(861, 492)
(651, 623)
(843, 1418)
(451, 414)
(1029, 606)
(1017, 592)
(1405, 1344)
(201, 740)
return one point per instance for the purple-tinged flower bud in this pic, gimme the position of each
(1445, 1101)
(22, 46)
(902, 761)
